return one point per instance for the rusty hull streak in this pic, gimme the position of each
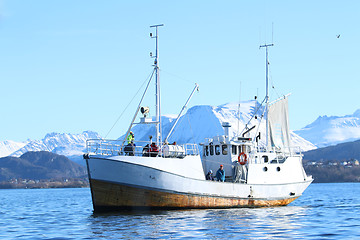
(111, 196)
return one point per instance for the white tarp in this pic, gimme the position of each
(279, 136)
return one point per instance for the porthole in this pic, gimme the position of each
(265, 169)
(278, 169)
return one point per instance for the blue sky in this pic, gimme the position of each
(70, 66)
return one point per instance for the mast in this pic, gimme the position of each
(267, 92)
(157, 84)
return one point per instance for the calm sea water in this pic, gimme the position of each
(325, 211)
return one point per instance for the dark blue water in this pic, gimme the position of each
(325, 211)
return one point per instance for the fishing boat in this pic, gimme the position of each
(126, 174)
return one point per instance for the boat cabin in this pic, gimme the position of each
(221, 151)
(235, 155)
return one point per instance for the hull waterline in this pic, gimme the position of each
(109, 196)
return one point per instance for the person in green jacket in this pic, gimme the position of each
(130, 138)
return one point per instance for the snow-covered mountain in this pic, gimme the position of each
(8, 146)
(197, 124)
(326, 131)
(70, 145)
(201, 122)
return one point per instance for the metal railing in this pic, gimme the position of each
(262, 155)
(289, 151)
(138, 148)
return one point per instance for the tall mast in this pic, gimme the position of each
(267, 92)
(157, 84)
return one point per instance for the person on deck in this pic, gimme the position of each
(154, 150)
(209, 175)
(220, 174)
(130, 138)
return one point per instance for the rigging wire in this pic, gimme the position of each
(146, 80)
(256, 110)
(273, 85)
(175, 76)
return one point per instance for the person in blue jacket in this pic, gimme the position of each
(220, 174)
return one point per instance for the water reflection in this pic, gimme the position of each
(213, 223)
(325, 211)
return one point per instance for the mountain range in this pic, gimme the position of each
(8, 147)
(72, 146)
(39, 165)
(204, 121)
(338, 152)
(197, 124)
(326, 131)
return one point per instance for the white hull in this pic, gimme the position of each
(125, 181)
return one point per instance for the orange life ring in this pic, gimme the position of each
(243, 160)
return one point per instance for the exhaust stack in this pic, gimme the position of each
(226, 126)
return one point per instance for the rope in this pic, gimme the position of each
(146, 80)
(273, 85)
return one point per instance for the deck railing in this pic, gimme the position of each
(275, 155)
(138, 148)
(289, 151)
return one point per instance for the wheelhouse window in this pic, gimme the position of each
(243, 148)
(265, 159)
(233, 148)
(224, 149)
(211, 150)
(207, 151)
(217, 149)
